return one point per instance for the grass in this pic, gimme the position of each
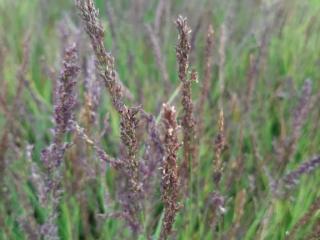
(270, 122)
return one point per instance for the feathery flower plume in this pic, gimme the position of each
(170, 178)
(95, 32)
(63, 112)
(188, 124)
(52, 156)
(128, 116)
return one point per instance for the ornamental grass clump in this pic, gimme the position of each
(88, 150)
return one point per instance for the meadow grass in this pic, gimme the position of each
(164, 133)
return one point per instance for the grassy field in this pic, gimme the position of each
(185, 119)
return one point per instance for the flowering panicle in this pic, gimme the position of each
(217, 200)
(219, 147)
(128, 125)
(52, 156)
(170, 178)
(183, 51)
(105, 60)
(63, 111)
(128, 116)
